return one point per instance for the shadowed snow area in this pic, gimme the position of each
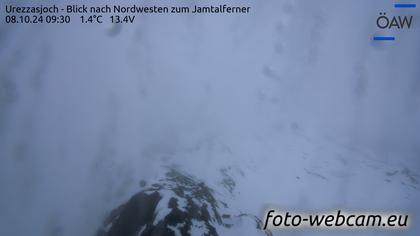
(196, 124)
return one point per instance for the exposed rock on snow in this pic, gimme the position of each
(178, 204)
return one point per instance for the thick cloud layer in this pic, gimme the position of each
(295, 94)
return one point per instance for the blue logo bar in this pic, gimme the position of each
(384, 38)
(404, 5)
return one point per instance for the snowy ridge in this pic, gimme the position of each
(200, 211)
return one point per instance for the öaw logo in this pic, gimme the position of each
(397, 22)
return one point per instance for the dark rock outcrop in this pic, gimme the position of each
(176, 205)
